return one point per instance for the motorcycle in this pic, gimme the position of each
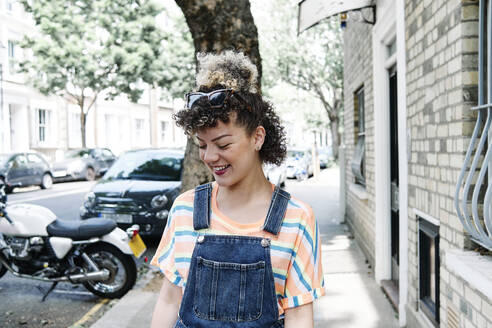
(34, 244)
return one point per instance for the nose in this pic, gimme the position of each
(210, 155)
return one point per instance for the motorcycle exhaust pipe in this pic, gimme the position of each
(75, 278)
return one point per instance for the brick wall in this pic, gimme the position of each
(358, 72)
(441, 42)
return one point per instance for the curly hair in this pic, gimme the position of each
(235, 71)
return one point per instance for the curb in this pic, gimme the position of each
(124, 310)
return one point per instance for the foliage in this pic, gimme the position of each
(88, 48)
(311, 61)
(179, 74)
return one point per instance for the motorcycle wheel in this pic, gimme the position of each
(122, 268)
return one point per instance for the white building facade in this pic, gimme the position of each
(51, 125)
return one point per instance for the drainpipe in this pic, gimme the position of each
(342, 195)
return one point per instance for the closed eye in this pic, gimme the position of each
(224, 146)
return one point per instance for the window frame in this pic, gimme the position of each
(428, 233)
(358, 162)
(43, 127)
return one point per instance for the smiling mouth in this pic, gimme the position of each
(221, 169)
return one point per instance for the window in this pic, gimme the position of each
(429, 270)
(107, 153)
(33, 158)
(139, 131)
(9, 5)
(11, 54)
(44, 120)
(358, 161)
(164, 126)
(75, 132)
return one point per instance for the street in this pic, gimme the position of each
(68, 303)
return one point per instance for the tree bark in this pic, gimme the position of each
(333, 115)
(335, 136)
(217, 25)
(83, 119)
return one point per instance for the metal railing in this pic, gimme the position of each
(479, 227)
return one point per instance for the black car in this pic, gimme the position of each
(83, 164)
(25, 169)
(139, 188)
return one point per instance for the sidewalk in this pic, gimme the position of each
(353, 299)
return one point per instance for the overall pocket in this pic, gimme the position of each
(228, 291)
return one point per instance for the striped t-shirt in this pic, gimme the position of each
(295, 251)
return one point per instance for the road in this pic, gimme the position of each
(21, 304)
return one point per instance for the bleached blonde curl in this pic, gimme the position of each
(230, 69)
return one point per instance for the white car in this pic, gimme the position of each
(299, 163)
(276, 174)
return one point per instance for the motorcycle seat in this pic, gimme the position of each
(81, 230)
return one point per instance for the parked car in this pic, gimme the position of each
(25, 169)
(325, 156)
(276, 174)
(138, 189)
(299, 162)
(83, 164)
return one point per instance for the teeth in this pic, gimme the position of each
(218, 168)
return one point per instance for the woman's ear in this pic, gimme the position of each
(259, 137)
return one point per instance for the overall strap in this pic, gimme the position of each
(201, 206)
(276, 212)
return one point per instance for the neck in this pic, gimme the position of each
(252, 187)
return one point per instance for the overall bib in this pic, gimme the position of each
(230, 282)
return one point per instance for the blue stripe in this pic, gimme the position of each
(182, 208)
(316, 248)
(290, 225)
(170, 249)
(301, 278)
(182, 260)
(296, 302)
(186, 233)
(283, 249)
(279, 276)
(291, 203)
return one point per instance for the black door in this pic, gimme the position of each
(395, 215)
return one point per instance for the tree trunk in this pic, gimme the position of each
(83, 120)
(217, 25)
(335, 135)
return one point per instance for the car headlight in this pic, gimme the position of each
(162, 215)
(82, 211)
(89, 200)
(158, 201)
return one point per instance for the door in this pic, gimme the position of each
(37, 168)
(395, 215)
(18, 174)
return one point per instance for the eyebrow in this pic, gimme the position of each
(215, 139)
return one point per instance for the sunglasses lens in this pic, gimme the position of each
(217, 98)
(192, 98)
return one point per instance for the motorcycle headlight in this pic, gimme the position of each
(158, 201)
(90, 200)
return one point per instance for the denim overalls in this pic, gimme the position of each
(230, 282)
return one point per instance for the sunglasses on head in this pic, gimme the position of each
(216, 98)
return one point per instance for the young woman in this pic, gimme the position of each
(238, 252)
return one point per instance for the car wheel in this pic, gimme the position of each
(47, 181)
(7, 189)
(90, 174)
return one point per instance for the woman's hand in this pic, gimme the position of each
(299, 317)
(167, 306)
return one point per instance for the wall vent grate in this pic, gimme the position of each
(453, 318)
